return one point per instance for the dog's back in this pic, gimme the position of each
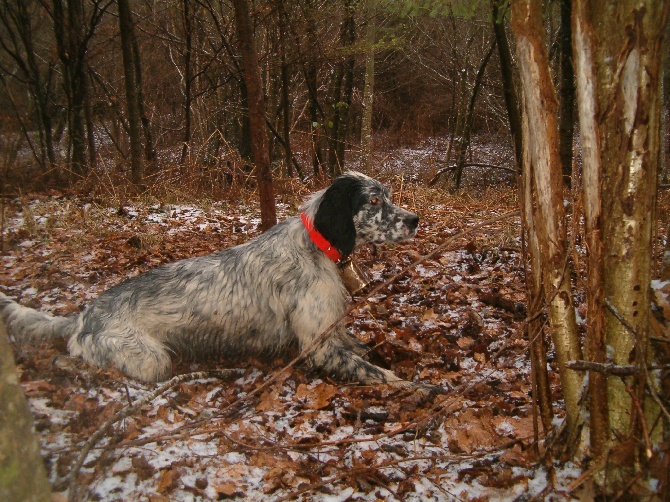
(234, 302)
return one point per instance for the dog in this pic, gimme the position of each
(277, 292)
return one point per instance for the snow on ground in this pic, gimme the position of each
(453, 321)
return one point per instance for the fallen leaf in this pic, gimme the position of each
(228, 489)
(168, 481)
(318, 397)
(270, 401)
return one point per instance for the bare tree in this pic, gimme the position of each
(466, 132)
(74, 27)
(540, 106)
(257, 119)
(17, 41)
(510, 92)
(369, 86)
(132, 92)
(342, 88)
(187, 24)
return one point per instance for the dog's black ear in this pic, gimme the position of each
(335, 217)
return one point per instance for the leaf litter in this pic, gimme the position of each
(454, 321)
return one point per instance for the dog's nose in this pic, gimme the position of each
(412, 221)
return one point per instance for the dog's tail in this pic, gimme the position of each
(26, 324)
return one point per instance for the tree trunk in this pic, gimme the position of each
(149, 149)
(68, 22)
(39, 87)
(256, 101)
(534, 292)
(368, 88)
(665, 131)
(90, 128)
(627, 83)
(188, 79)
(77, 76)
(132, 95)
(342, 91)
(464, 144)
(540, 105)
(316, 117)
(585, 66)
(334, 124)
(285, 91)
(316, 114)
(509, 85)
(567, 92)
(22, 473)
(343, 130)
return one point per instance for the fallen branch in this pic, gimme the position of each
(449, 169)
(607, 368)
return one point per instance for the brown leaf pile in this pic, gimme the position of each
(453, 321)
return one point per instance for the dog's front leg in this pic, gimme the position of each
(337, 353)
(338, 360)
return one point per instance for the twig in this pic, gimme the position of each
(607, 368)
(615, 312)
(643, 422)
(439, 173)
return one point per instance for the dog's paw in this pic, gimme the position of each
(430, 390)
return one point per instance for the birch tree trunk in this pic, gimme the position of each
(619, 104)
(540, 105)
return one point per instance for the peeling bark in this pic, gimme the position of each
(584, 43)
(540, 105)
(534, 293)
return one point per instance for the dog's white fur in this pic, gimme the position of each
(274, 293)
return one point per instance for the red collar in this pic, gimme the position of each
(320, 241)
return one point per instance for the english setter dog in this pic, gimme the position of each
(279, 291)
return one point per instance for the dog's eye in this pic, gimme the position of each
(374, 201)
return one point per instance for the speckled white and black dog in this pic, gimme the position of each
(278, 291)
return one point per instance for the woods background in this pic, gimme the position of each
(82, 79)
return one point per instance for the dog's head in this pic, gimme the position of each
(356, 209)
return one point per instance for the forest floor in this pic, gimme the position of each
(455, 320)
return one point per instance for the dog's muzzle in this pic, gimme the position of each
(411, 223)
